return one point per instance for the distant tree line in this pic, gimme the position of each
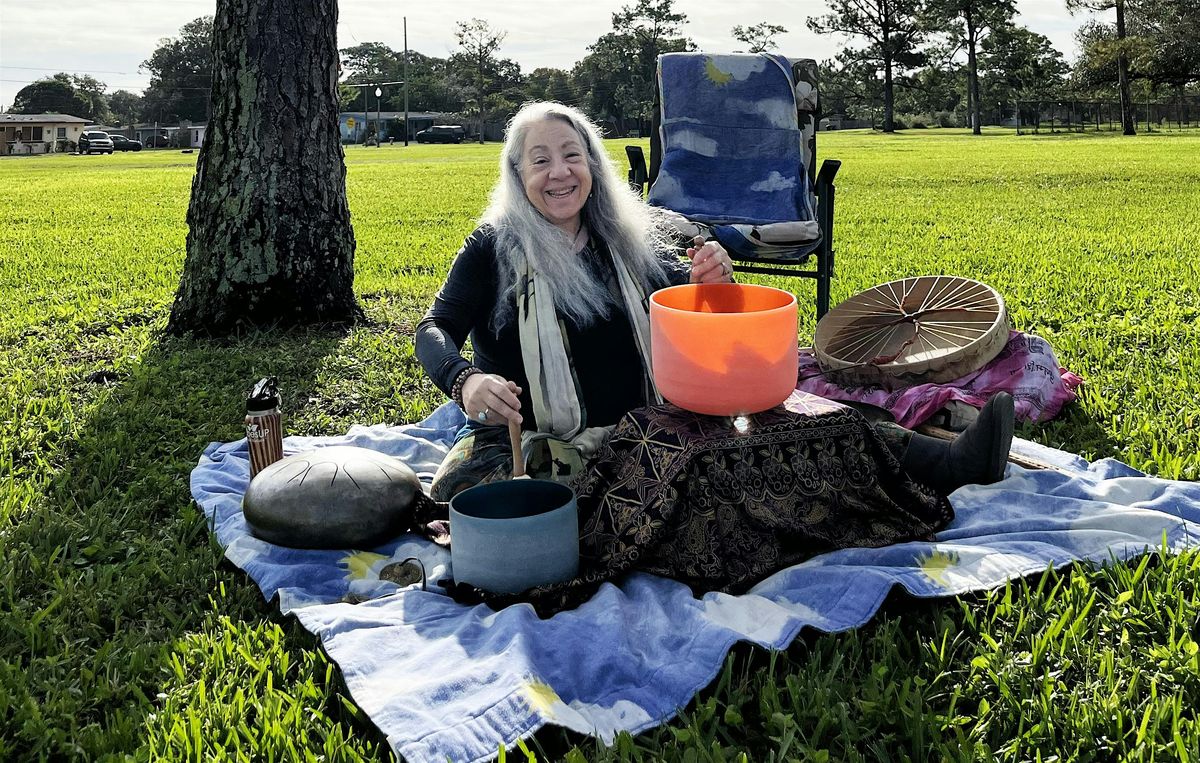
(180, 76)
(949, 62)
(906, 63)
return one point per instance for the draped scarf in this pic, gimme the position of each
(564, 442)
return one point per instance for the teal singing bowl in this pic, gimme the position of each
(507, 537)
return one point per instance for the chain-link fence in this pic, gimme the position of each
(1077, 115)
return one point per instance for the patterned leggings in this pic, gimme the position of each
(482, 454)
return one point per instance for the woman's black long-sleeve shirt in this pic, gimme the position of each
(604, 354)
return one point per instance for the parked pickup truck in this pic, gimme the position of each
(95, 141)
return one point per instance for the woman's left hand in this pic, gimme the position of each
(710, 262)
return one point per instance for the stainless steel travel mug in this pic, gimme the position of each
(264, 431)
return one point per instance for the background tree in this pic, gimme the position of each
(602, 78)
(430, 86)
(125, 106)
(368, 63)
(371, 62)
(968, 22)
(641, 33)
(937, 88)
(78, 95)
(852, 88)
(1095, 71)
(180, 75)
(92, 91)
(53, 95)
(1122, 54)
(892, 31)
(504, 89)
(1016, 63)
(548, 84)
(478, 43)
(1170, 53)
(269, 237)
(759, 38)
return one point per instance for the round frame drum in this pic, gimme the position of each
(928, 329)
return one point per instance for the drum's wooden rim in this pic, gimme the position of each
(938, 328)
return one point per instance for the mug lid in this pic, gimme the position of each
(264, 396)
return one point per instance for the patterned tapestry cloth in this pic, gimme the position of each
(720, 505)
(1026, 368)
(734, 151)
(447, 681)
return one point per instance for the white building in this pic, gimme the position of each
(22, 134)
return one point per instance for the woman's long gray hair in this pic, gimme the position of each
(632, 230)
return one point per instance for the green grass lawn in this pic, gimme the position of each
(123, 634)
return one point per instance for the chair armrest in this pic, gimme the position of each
(825, 196)
(829, 169)
(638, 174)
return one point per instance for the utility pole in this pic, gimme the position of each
(406, 80)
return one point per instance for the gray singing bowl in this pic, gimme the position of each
(507, 537)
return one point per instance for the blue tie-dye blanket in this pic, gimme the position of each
(448, 681)
(731, 148)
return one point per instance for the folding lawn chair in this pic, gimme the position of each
(732, 155)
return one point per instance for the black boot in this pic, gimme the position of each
(977, 457)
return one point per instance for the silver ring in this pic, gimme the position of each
(483, 415)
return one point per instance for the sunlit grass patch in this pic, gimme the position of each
(122, 631)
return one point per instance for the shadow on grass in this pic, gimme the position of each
(1074, 431)
(113, 580)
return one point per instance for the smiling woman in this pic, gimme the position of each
(551, 289)
(556, 175)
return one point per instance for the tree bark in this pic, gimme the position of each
(269, 237)
(1127, 125)
(889, 95)
(479, 94)
(973, 76)
(889, 124)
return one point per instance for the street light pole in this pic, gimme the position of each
(366, 112)
(378, 119)
(406, 80)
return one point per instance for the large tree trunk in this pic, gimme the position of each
(1127, 125)
(889, 98)
(973, 76)
(479, 95)
(269, 239)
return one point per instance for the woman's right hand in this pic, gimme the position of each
(493, 396)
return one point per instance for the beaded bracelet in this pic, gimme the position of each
(456, 390)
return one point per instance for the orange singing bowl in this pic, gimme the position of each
(723, 349)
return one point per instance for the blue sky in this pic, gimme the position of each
(110, 39)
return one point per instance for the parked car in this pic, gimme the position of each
(95, 141)
(157, 141)
(442, 134)
(121, 143)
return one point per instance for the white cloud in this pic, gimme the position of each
(779, 112)
(693, 141)
(774, 182)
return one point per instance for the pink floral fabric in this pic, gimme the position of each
(1025, 368)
